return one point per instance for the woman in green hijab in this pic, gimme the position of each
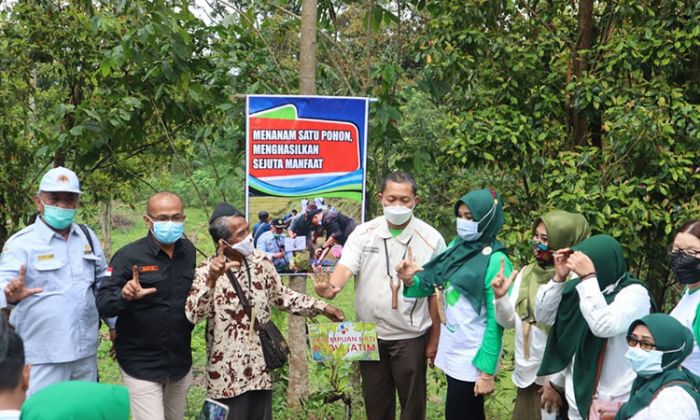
(553, 231)
(658, 344)
(470, 340)
(590, 316)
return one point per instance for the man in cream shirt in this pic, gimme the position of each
(407, 329)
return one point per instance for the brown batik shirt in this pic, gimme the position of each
(235, 358)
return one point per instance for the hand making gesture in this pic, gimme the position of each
(500, 284)
(322, 283)
(132, 290)
(408, 268)
(219, 265)
(17, 289)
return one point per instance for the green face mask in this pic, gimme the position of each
(58, 217)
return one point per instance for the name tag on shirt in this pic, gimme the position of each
(87, 250)
(46, 257)
(148, 268)
(370, 249)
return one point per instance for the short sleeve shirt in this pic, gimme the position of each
(59, 324)
(371, 253)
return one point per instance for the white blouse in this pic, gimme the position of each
(604, 320)
(526, 365)
(685, 312)
(672, 403)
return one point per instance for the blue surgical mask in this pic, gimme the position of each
(645, 363)
(648, 363)
(468, 229)
(58, 217)
(168, 233)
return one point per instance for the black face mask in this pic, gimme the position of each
(685, 267)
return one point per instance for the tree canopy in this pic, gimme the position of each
(589, 106)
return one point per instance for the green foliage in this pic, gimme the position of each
(140, 96)
(502, 78)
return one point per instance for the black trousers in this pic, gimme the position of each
(401, 368)
(461, 403)
(251, 405)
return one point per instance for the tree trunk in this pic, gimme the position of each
(307, 57)
(106, 227)
(584, 42)
(298, 388)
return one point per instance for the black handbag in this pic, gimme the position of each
(274, 346)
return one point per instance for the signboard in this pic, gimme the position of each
(295, 244)
(351, 341)
(305, 147)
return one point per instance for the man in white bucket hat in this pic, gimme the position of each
(49, 272)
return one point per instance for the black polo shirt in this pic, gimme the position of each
(153, 335)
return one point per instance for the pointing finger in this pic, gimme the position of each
(409, 253)
(503, 268)
(22, 271)
(231, 264)
(220, 248)
(135, 274)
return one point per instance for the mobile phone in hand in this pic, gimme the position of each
(213, 410)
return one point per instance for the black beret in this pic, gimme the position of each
(224, 209)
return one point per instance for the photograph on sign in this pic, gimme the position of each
(305, 176)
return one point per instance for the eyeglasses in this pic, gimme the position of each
(632, 341)
(694, 253)
(163, 218)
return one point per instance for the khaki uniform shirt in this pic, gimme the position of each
(371, 254)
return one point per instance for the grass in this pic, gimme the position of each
(131, 227)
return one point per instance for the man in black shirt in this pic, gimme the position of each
(306, 224)
(147, 289)
(338, 227)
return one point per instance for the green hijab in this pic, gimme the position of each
(676, 341)
(464, 264)
(564, 230)
(570, 334)
(78, 400)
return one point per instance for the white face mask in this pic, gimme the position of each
(244, 247)
(397, 215)
(468, 229)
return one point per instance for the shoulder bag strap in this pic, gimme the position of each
(86, 231)
(668, 384)
(247, 307)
